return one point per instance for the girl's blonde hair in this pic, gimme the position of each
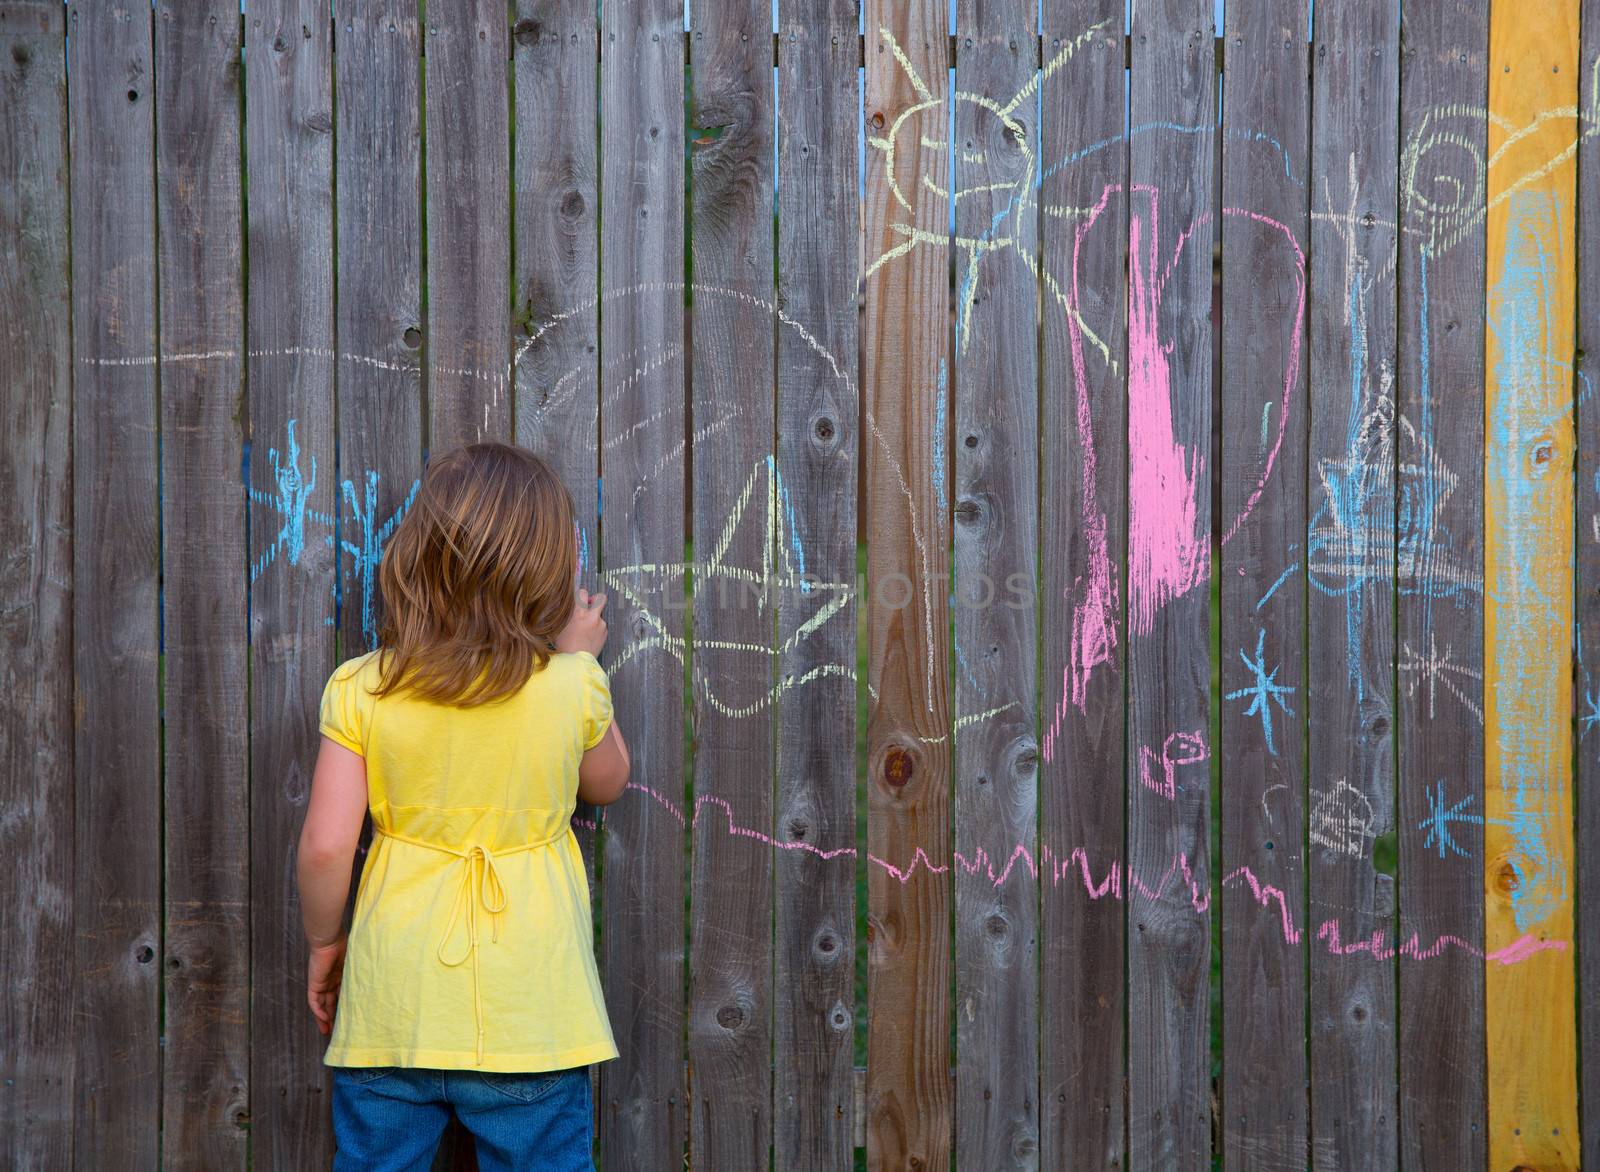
(479, 578)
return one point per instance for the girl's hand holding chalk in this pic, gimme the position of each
(586, 629)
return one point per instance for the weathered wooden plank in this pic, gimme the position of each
(289, 378)
(736, 508)
(555, 307)
(994, 501)
(379, 191)
(205, 1086)
(1265, 227)
(1588, 567)
(642, 541)
(1169, 524)
(819, 264)
(905, 369)
(1439, 564)
(469, 215)
(116, 564)
(1528, 582)
(555, 342)
(1350, 561)
(36, 889)
(1084, 228)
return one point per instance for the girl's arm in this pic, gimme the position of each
(329, 838)
(603, 772)
(327, 852)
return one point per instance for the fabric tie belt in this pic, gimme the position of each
(480, 886)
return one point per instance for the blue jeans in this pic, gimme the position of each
(389, 1118)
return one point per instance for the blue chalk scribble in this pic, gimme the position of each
(367, 553)
(1441, 817)
(1263, 691)
(293, 490)
(1273, 589)
(291, 500)
(1520, 304)
(780, 493)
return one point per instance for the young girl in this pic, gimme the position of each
(468, 983)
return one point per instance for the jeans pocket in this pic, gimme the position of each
(527, 1088)
(366, 1074)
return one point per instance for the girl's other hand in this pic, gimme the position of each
(323, 975)
(586, 629)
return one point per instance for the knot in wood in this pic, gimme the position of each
(898, 766)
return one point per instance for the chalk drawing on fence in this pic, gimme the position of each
(1350, 539)
(1159, 771)
(1449, 183)
(290, 501)
(1342, 819)
(1263, 690)
(1442, 816)
(763, 500)
(1168, 556)
(1522, 450)
(1435, 670)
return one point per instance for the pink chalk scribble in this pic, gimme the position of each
(1291, 368)
(1167, 554)
(734, 828)
(1093, 594)
(1181, 748)
(1116, 881)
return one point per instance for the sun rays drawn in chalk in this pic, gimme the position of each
(920, 202)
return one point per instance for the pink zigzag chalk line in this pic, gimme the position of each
(1117, 880)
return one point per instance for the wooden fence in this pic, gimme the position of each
(1223, 403)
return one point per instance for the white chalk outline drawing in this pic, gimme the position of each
(652, 589)
(1427, 564)
(1022, 198)
(1350, 540)
(782, 569)
(1437, 670)
(1343, 820)
(1442, 223)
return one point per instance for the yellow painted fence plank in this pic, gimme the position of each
(1529, 546)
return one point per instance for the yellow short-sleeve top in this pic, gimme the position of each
(472, 943)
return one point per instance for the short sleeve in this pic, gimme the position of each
(596, 701)
(345, 707)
